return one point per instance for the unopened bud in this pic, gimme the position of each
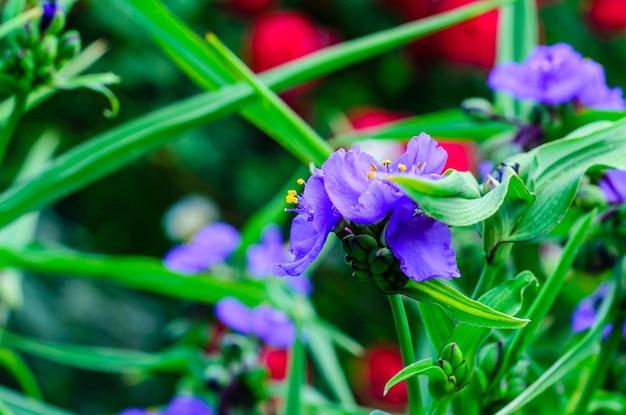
(440, 386)
(69, 46)
(489, 358)
(446, 367)
(53, 18)
(452, 353)
(28, 35)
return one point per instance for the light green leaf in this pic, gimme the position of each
(15, 365)
(422, 367)
(455, 199)
(23, 405)
(100, 358)
(19, 21)
(452, 123)
(553, 172)
(141, 273)
(459, 306)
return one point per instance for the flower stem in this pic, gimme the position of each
(9, 127)
(408, 354)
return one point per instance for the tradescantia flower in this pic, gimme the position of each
(180, 405)
(210, 246)
(586, 312)
(555, 75)
(270, 325)
(613, 185)
(384, 232)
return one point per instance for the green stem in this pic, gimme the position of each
(296, 377)
(408, 354)
(9, 128)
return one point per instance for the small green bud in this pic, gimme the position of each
(489, 358)
(462, 373)
(359, 246)
(69, 45)
(52, 20)
(452, 353)
(28, 35)
(359, 266)
(446, 367)
(379, 260)
(478, 108)
(362, 275)
(519, 370)
(441, 387)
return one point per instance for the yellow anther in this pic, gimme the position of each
(371, 175)
(386, 162)
(291, 197)
(373, 167)
(401, 167)
(419, 165)
(300, 181)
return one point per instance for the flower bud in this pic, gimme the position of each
(446, 367)
(452, 353)
(489, 358)
(440, 386)
(379, 260)
(359, 246)
(53, 18)
(478, 108)
(46, 51)
(28, 35)
(69, 45)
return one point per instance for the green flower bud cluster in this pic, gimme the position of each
(512, 384)
(455, 370)
(370, 258)
(237, 376)
(34, 56)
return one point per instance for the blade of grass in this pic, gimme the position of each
(142, 273)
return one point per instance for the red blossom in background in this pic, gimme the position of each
(276, 362)
(608, 15)
(371, 374)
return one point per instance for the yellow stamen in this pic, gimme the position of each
(371, 175)
(291, 197)
(373, 167)
(386, 162)
(300, 181)
(401, 167)
(419, 165)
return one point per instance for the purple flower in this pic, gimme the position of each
(50, 9)
(586, 312)
(316, 219)
(360, 189)
(613, 185)
(180, 405)
(595, 93)
(550, 75)
(210, 246)
(262, 256)
(270, 325)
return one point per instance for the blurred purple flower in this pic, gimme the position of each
(485, 168)
(586, 312)
(551, 75)
(180, 405)
(271, 250)
(210, 246)
(50, 9)
(613, 185)
(270, 325)
(595, 93)
(316, 219)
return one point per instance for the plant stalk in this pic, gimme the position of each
(9, 128)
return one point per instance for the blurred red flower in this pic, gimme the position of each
(280, 37)
(276, 361)
(607, 14)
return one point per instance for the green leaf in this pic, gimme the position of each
(100, 358)
(422, 367)
(143, 273)
(506, 298)
(452, 123)
(18, 20)
(23, 405)
(587, 346)
(455, 199)
(459, 306)
(553, 172)
(15, 365)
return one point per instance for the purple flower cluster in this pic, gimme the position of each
(613, 185)
(271, 326)
(555, 75)
(180, 405)
(352, 186)
(586, 312)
